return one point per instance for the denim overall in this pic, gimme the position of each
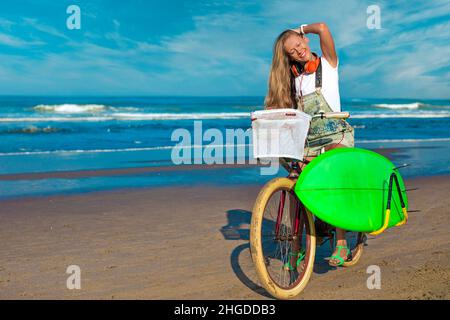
(323, 132)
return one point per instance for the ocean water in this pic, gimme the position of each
(48, 134)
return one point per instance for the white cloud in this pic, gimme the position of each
(11, 41)
(230, 53)
(6, 24)
(44, 28)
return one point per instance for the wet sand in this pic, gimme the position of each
(77, 174)
(192, 243)
(167, 167)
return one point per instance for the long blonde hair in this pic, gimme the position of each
(280, 93)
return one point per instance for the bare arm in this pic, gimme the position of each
(326, 41)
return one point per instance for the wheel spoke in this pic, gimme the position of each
(279, 249)
(282, 232)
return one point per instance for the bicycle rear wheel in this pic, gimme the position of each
(355, 240)
(282, 239)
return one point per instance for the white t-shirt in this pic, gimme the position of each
(330, 85)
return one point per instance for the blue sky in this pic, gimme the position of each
(216, 47)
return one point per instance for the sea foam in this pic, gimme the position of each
(70, 108)
(410, 106)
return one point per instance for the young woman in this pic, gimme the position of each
(304, 80)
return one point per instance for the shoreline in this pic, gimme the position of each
(143, 170)
(104, 172)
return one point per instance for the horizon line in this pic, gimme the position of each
(187, 96)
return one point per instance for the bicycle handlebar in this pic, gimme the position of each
(331, 115)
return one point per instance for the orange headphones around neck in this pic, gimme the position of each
(308, 68)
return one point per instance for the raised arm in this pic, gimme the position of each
(326, 41)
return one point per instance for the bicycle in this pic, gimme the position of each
(283, 244)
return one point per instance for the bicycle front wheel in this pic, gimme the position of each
(282, 239)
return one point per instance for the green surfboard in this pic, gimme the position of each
(348, 188)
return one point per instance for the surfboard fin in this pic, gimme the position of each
(393, 178)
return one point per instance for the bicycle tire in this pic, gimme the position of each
(256, 247)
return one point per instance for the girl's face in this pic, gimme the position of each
(297, 48)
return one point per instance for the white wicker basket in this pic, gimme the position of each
(279, 133)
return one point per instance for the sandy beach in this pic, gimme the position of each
(136, 138)
(192, 243)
